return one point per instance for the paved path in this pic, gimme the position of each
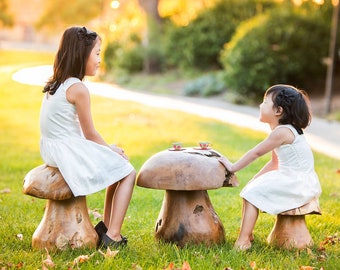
(323, 135)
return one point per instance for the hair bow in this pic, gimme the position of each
(88, 36)
(285, 98)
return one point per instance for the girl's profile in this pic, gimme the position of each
(288, 180)
(69, 140)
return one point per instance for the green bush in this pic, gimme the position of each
(127, 56)
(155, 58)
(199, 43)
(110, 55)
(130, 59)
(207, 85)
(282, 46)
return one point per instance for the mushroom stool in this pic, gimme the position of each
(187, 215)
(290, 230)
(66, 222)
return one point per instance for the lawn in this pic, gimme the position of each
(143, 131)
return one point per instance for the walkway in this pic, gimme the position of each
(323, 135)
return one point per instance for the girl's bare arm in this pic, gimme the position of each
(79, 95)
(276, 138)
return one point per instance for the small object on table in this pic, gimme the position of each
(205, 145)
(187, 215)
(176, 146)
(66, 222)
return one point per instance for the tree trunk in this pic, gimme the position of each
(331, 59)
(151, 40)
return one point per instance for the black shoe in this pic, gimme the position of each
(106, 242)
(100, 229)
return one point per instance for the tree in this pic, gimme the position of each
(6, 19)
(331, 59)
(60, 14)
(152, 61)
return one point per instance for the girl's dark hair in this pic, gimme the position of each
(295, 105)
(70, 61)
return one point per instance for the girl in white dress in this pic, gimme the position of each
(288, 180)
(70, 141)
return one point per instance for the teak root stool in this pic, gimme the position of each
(187, 215)
(290, 229)
(66, 222)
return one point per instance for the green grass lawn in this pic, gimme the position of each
(143, 131)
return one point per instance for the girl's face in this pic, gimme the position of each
(94, 59)
(267, 111)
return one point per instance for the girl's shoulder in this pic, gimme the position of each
(70, 81)
(288, 126)
(287, 132)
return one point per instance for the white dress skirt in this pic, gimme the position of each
(86, 166)
(294, 184)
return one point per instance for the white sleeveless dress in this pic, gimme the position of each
(86, 166)
(294, 184)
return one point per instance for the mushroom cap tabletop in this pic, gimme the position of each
(46, 182)
(184, 170)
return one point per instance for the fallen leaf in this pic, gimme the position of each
(19, 265)
(109, 253)
(48, 261)
(334, 194)
(306, 268)
(309, 251)
(136, 266)
(170, 266)
(252, 265)
(6, 190)
(186, 266)
(331, 240)
(322, 258)
(82, 259)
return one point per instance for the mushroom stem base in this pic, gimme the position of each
(65, 224)
(188, 217)
(290, 232)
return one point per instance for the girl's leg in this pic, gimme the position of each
(249, 217)
(110, 192)
(119, 195)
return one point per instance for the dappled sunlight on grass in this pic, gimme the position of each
(143, 131)
(23, 58)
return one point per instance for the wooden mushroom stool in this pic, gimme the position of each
(187, 215)
(66, 222)
(290, 229)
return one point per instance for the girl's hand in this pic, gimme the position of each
(119, 150)
(226, 163)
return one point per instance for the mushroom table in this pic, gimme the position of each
(187, 215)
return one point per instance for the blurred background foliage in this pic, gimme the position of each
(6, 19)
(286, 44)
(235, 46)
